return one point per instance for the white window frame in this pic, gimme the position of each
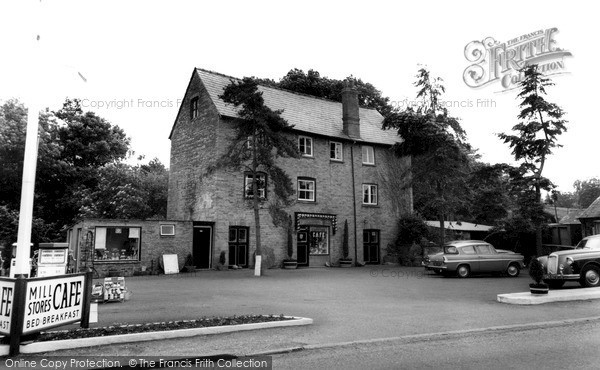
(302, 142)
(370, 193)
(337, 146)
(312, 191)
(164, 231)
(262, 191)
(368, 155)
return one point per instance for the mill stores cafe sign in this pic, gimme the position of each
(29, 306)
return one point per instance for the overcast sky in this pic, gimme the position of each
(137, 58)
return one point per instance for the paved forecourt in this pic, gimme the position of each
(346, 305)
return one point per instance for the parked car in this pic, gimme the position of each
(580, 264)
(466, 257)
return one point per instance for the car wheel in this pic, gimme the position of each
(555, 284)
(590, 277)
(463, 271)
(513, 270)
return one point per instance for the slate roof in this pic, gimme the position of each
(307, 113)
(464, 226)
(592, 211)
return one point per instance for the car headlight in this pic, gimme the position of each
(569, 261)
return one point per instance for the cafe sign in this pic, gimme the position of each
(53, 302)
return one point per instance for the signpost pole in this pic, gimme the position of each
(18, 315)
(87, 299)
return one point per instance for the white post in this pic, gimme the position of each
(30, 160)
(27, 190)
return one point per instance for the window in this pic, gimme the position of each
(306, 189)
(305, 145)
(369, 194)
(167, 230)
(469, 249)
(368, 155)
(261, 184)
(319, 240)
(194, 108)
(483, 249)
(335, 151)
(449, 249)
(117, 243)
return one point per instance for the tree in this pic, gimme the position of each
(489, 186)
(258, 141)
(587, 191)
(437, 144)
(74, 149)
(125, 191)
(536, 134)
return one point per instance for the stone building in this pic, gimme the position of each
(347, 172)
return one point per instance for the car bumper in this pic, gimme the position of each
(434, 267)
(561, 276)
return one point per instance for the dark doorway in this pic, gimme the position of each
(302, 247)
(371, 246)
(202, 246)
(238, 246)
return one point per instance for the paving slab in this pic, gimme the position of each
(526, 298)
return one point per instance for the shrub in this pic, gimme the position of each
(536, 270)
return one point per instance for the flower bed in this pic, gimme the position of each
(157, 327)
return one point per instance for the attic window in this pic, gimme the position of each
(194, 108)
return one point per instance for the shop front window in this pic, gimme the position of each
(117, 244)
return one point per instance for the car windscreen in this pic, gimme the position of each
(592, 243)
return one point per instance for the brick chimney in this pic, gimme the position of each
(350, 116)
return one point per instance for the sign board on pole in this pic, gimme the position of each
(7, 293)
(52, 302)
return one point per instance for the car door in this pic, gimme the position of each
(468, 255)
(489, 260)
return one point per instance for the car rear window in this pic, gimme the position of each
(450, 249)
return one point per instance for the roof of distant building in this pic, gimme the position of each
(306, 113)
(571, 217)
(592, 211)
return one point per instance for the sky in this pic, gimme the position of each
(131, 61)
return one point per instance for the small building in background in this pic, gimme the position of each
(590, 219)
(567, 231)
(456, 230)
(119, 247)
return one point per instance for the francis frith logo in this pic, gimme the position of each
(501, 62)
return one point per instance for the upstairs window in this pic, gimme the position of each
(368, 155)
(306, 189)
(335, 151)
(370, 194)
(194, 108)
(261, 184)
(305, 145)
